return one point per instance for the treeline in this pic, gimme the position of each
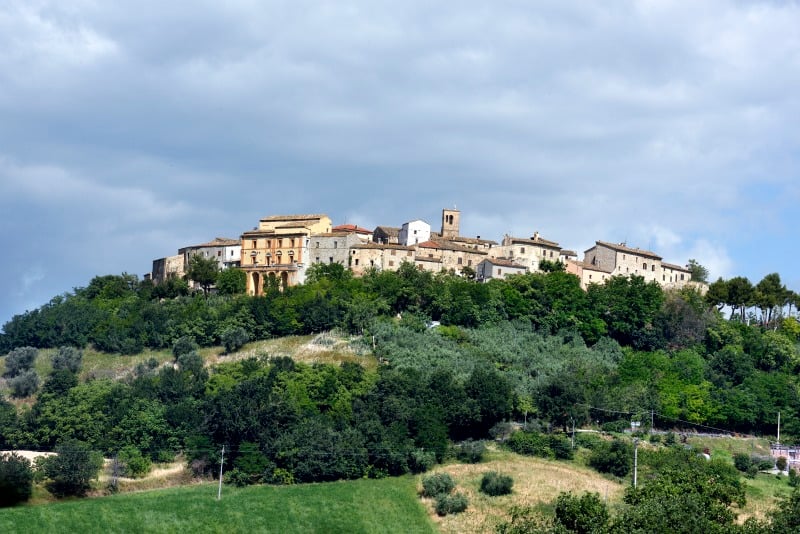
(122, 314)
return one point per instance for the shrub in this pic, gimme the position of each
(24, 384)
(68, 359)
(495, 484)
(752, 471)
(20, 360)
(588, 440)
(742, 462)
(561, 447)
(669, 438)
(135, 465)
(437, 484)
(765, 464)
(420, 460)
(614, 458)
(451, 504)
(183, 345)
(530, 443)
(16, 479)
(470, 451)
(72, 469)
(586, 513)
(781, 463)
(655, 438)
(794, 480)
(234, 338)
(237, 477)
(615, 426)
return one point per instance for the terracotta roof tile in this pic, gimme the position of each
(351, 228)
(619, 247)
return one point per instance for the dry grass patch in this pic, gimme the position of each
(537, 482)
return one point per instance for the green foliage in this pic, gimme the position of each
(203, 271)
(786, 516)
(231, 281)
(437, 484)
(72, 468)
(183, 345)
(421, 460)
(234, 338)
(530, 444)
(24, 384)
(587, 513)
(471, 451)
(451, 504)
(742, 462)
(16, 479)
(780, 463)
(794, 480)
(135, 465)
(614, 457)
(20, 360)
(698, 272)
(495, 484)
(68, 358)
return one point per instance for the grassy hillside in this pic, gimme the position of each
(387, 505)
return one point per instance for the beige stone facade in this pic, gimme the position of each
(452, 256)
(617, 259)
(382, 257)
(528, 252)
(278, 249)
(169, 267)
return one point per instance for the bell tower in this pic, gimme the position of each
(450, 222)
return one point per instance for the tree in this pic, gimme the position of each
(16, 479)
(549, 266)
(24, 384)
(68, 358)
(698, 272)
(20, 360)
(234, 338)
(740, 295)
(768, 295)
(72, 468)
(585, 514)
(203, 271)
(231, 282)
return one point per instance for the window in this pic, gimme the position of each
(280, 243)
(231, 253)
(393, 252)
(522, 250)
(391, 263)
(372, 263)
(460, 261)
(335, 243)
(653, 267)
(551, 253)
(408, 253)
(356, 262)
(291, 243)
(254, 243)
(663, 277)
(219, 253)
(644, 266)
(316, 260)
(499, 272)
(681, 276)
(317, 244)
(330, 260)
(469, 262)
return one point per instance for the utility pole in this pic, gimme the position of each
(779, 427)
(652, 421)
(573, 433)
(221, 460)
(635, 460)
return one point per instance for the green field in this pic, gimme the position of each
(387, 505)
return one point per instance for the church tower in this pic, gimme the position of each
(450, 222)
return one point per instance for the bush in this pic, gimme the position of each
(614, 458)
(234, 338)
(669, 438)
(742, 462)
(655, 438)
(72, 469)
(24, 384)
(752, 471)
(20, 360)
(16, 479)
(781, 463)
(588, 440)
(620, 425)
(561, 447)
(530, 443)
(586, 513)
(765, 464)
(420, 460)
(470, 451)
(183, 345)
(495, 484)
(451, 504)
(794, 480)
(135, 465)
(437, 484)
(68, 359)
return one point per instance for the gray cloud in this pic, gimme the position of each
(130, 129)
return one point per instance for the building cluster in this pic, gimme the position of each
(284, 246)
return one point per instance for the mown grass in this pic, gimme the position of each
(763, 493)
(387, 505)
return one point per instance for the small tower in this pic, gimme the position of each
(450, 222)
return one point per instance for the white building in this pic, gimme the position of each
(414, 232)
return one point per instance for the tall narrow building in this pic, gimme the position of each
(450, 222)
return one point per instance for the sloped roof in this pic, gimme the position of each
(382, 246)
(675, 267)
(473, 240)
(351, 228)
(303, 217)
(620, 247)
(442, 244)
(536, 241)
(503, 262)
(388, 230)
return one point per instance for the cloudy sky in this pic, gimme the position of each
(130, 129)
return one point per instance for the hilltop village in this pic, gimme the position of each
(284, 246)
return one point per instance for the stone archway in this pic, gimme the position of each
(256, 285)
(284, 280)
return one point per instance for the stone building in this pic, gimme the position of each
(278, 249)
(450, 255)
(528, 252)
(491, 268)
(332, 247)
(382, 257)
(169, 267)
(606, 259)
(386, 235)
(227, 252)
